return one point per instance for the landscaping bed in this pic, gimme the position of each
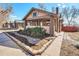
(25, 41)
(36, 32)
(69, 49)
(32, 40)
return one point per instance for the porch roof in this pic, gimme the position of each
(46, 17)
(39, 18)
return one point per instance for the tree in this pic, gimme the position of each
(70, 14)
(42, 6)
(5, 11)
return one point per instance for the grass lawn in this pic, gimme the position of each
(74, 35)
(68, 49)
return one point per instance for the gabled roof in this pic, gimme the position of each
(38, 10)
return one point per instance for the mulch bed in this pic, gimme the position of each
(68, 49)
(23, 33)
(25, 41)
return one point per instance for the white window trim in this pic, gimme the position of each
(36, 14)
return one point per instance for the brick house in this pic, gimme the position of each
(52, 22)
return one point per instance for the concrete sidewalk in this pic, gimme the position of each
(7, 51)
(1, 31)
(54, 48)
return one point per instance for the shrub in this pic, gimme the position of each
(36, 32)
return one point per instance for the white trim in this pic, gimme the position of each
(36, 14)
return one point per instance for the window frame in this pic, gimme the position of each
(35, 15)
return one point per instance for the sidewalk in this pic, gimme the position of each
(8, 30)
(54, 48)
(7, 51)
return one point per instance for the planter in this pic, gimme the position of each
(28, 48)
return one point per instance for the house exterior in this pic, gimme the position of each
(50, 21)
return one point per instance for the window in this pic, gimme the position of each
(34, 14)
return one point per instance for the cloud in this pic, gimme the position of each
(59, 5)
(63, 6)
(14, 17)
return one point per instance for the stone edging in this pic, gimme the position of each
(29, 49)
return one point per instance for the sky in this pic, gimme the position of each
(21, 9)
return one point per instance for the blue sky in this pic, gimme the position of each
(21, 9)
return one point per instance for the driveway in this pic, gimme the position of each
(6, 41)
(8, 47)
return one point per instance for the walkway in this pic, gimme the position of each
(54, 48)
(8, 30)
(8, 47)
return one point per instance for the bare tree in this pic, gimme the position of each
(5, 12)
(42, 6)
(53, 9)
(70, 14)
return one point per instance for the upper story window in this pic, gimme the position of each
(34, 14)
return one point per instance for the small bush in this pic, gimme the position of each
(36, 32)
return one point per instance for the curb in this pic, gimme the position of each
(29, 49)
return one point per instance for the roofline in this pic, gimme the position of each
(36, 9)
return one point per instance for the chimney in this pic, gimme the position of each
(57, 11)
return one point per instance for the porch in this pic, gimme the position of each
(50, 24)
(39, 22)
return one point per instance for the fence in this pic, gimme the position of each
(70, 28)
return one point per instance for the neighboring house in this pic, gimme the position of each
(52, 22)
(15, 24)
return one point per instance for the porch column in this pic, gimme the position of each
(25, 24)
(61, 24)
(58, 25)
(41, 24)
(28, 24)
(51, 26)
